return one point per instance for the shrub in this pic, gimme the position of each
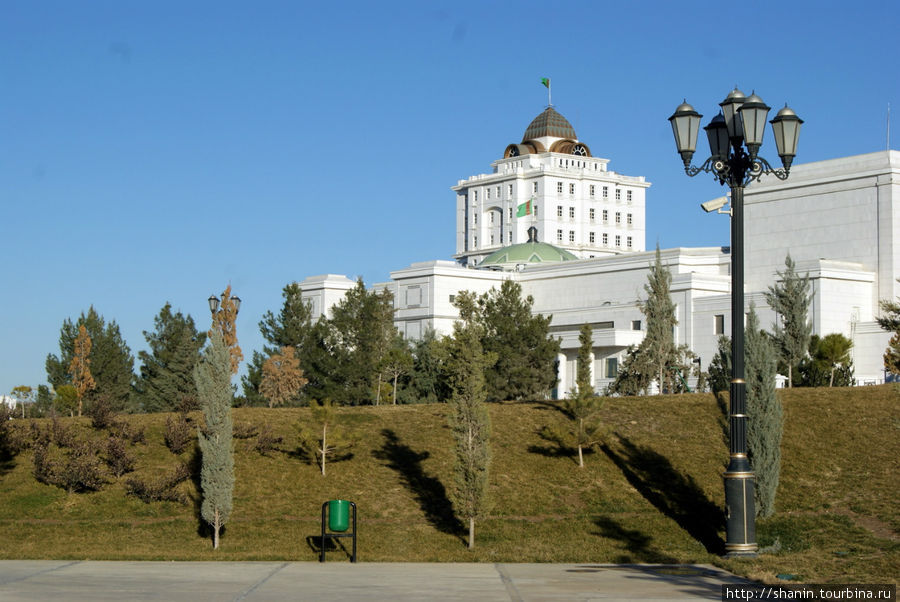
(164, 489)
(60, 434)
(266, 441)
(178, 433)
(244, 430)
(117, 457)
(122, 429)
(77, 469)
(101, 414)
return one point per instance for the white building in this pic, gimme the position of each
(580, 252)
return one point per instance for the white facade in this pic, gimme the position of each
(839, 220)
(577, 204)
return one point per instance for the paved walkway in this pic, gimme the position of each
(258, 581)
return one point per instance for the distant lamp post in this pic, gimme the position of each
(735, 136)
(224, 315)
(214, 304)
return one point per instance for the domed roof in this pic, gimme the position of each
(549, 123)
(530, 252)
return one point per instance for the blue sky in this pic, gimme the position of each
(157, 151)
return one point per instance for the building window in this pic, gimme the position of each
(559, 212)
(618, 241)
(492, 240)
(612, 367)
(559, 187)
(535, 211)
(605, 216)
(608, 325)
(559, 235)
(475, 242)
(719, 320)
(534, 187)
(606, 192)
(509, 191)
(510, 213)
(571, 212)
(591, 237)
(571, 188)
(492, 217)
(605, 239)
(592, 190)
(591, 214)
(618, 218)
(498, 192)
(571, 236)
(635, 325)
(628, 196)
(618, 194)
(476, 196)
(628, 219)
(487, 193)
(628, 242)
(475, 218)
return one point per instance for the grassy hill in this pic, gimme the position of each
(652, 493)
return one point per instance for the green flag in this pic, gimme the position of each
(524, 209)
(546, 82)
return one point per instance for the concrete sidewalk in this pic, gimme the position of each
(257, 581)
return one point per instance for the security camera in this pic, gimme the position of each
(715, 204)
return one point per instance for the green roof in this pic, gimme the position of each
(526, 253)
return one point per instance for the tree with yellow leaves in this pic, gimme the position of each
(223, 320)
(282, 377)
(80, 366)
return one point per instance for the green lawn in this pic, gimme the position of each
(652, 493)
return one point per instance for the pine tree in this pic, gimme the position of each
(322, 437)
(397, 362)
(834, 350)
(790, 299)
(720, 367)
(427, 382)
(525, 351)
(469, 419)
(112, 365)
(282, 377)
(582, 406)
(890, 321)
(80, 366)
(213, 380)
(658, 345)
(765, 415)
(224, 320)
(167, 381)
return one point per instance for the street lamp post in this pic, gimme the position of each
(224, 315)
(735, 136)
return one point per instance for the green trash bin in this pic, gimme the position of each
(339, 515)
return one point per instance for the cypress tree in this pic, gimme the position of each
(790, 299)
(658, 345)
(469, 419)
(766, 419)
(213, 379)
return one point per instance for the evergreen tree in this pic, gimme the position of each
(469, 419)
(322, 438)
(112, 365)
(427, 382)
(167, 382)
(828, 363)
(525, 351)
(396, 363)
(582, 406)
(658, 345)
(720, 367)
(890, 321)
(790, 299)
(765, 416)
(362, 327)
(635, 374)
(213, 380)
(282, 377)
(834, 350)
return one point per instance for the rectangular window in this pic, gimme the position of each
(606, 192)
(535, 210)
(612, 367)
(475, 245)
(605, 216)
(571, 212)
(719, 320)
(591, 214)
(476, 196)
(559, 212)
(635, 325)
(487, 193)
(492, 240)
(605, 239)
(628, 242)
(618, 194)
(475, 218)
(591, 237)
(510, 213)
(628, 219)
(534, 187)
(492, 217)
(618, 218)
(618, 241)
(509, 191)
(498, 192)
(628, 196)
(559, 235)
(592, 190)
(559, 187)
(571, 236)
(571, 188)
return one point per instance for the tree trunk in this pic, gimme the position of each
(395, 388)
(324, 447)
(831, 381)
(378, 390)
(790, 377)
(216, 526)
(471, 532)
(580, 457)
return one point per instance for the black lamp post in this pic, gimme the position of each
(214, 304)
(735, 136)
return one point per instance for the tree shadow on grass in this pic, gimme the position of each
(636, 542)
(429, 491)
(676, 495)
